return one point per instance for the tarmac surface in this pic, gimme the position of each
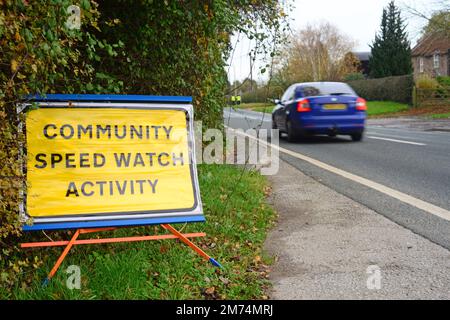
(338, 238)
(328, 246)
(411, 156)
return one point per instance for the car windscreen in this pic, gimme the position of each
(325, 89)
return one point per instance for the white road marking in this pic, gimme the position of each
(416, 131)
(399, 141)
(403, 197)
(389, 135)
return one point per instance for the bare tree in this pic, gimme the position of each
(317, 53)
(435, 15)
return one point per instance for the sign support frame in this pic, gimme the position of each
(175, 234)
(88, 226)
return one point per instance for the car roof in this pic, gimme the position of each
(317, 83)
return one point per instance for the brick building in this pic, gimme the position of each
(431, 55)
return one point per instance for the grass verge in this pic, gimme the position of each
(374, 108)
(258, 106)
(440, 116)
(382, 108)
(236, 227)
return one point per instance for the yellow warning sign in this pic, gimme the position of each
(94, 161)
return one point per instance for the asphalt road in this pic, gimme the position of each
(326, 246)
(414, 160)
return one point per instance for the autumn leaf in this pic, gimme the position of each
(14, 65)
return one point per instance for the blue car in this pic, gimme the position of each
(329, 108)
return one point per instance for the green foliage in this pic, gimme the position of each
(354, 76)
(258, 106)
(439, 23)
(263, 93)
(443, 81)
(440, 116)
(432, 90)
(397, 88)
(247, 85)
(382, 108)
(123, 46)
(38, 54)
(178, 47)
(391, 50)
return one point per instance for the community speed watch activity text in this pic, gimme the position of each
(108, 161)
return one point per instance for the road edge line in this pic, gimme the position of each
(403, 197)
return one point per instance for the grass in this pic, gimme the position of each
(440, 116)
(236, 227)
(257, 106)
(374, 108)
(438, 111)
(378, 108)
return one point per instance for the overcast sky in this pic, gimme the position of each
(358, 19)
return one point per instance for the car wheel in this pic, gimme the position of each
(357, 136)
(291, 134)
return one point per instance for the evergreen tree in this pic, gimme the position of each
(391, 50)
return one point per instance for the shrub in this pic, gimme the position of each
(430, 90)
(262, 94)
(39, 53)
(398, 88)
(444, 81)
(426, 82)
(141, 47)
(354, 76)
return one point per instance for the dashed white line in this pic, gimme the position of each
(399, 141)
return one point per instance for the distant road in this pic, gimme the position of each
(411, 161)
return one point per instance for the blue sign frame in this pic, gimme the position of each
(99, 98)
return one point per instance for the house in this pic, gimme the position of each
(431, 55)
(363, 58)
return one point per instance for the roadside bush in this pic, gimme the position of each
(262, 94)
(444, 81)
(39, 53)
(398, 88)
(426, 82)
(354, 76)
(122, 46)
(181, 47)
(431, 90)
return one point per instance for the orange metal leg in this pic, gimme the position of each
(191, 244)
(73, 241)
(108, 240)
(62, 256)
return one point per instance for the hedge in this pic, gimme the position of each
(398, 88)
(262, 94)
(122, 46)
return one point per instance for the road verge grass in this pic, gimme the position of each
(237, 221)
(440, 116)
(377, 109)
(257, 106)
(374, 108)
(382, 108)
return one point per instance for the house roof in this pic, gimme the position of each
(362, 56)
(431, 43)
